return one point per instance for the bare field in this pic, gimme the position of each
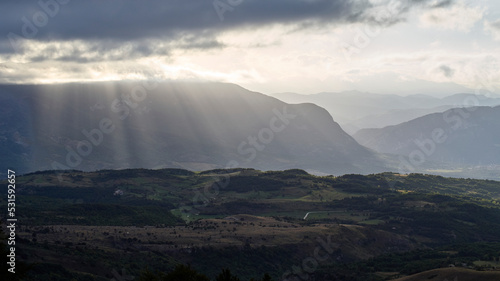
(238, 230)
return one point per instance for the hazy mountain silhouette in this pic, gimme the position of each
(392, 117)
(460, 135)
(356, 110)
(188, 125)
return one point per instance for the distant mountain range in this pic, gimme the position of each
(358, 110)
(199, 126)
(196, 126)
(468, 136)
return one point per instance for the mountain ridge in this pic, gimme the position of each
(442, 136)
(356, 110)
(113, 125)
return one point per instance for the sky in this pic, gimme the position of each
(435, 47)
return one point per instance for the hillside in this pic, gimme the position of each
(359, 110)
(390, 118)
(196, 126)
(462, 136)
(453, 274)
(95, 222)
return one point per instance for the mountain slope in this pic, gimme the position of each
(186, 125)
(453, 274)
(469, 136)
(357, 110)
(390, 118)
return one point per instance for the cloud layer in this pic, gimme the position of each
(493, 28)
(459, 17)
(264, 45)
(126, 20)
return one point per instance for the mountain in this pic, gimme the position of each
(356, 110)
(116, 125)
(352, 105)
(392, 117)
(461, 135)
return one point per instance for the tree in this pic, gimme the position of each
(147, 275)
(267, 277)
(226, 275)
(180, 273)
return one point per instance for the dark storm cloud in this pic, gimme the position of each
(126, 20)
(100, 50)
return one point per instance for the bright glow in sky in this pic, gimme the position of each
(439, 47)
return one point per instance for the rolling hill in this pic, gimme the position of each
(359, 227)
(453, 274)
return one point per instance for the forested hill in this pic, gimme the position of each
(252, 222)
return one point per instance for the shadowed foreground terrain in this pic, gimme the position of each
(88, 226)
(453, 274)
